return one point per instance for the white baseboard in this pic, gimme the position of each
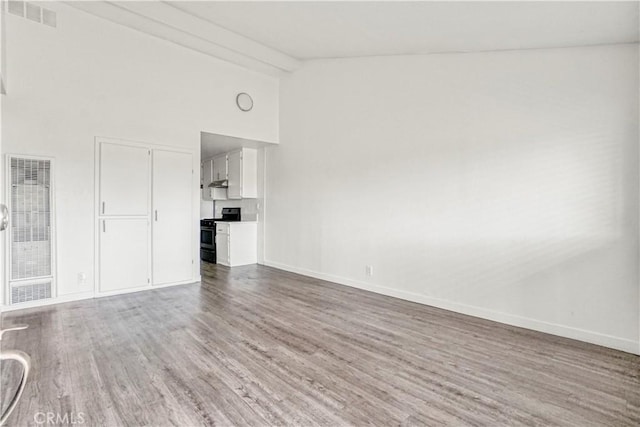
(88, 295)
(143, 288)
(610, 341)
(44, 302)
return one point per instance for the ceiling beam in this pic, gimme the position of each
(169, 23)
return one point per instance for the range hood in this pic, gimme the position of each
(223, 183)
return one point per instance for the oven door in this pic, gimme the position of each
(208, 255)
(208, 238)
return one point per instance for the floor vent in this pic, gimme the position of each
(30, 292)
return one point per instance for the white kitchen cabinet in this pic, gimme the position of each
(124, 179)
(206, 179)
(243, 174)
(220, 168)
(124, 253)
(171, 223)
(236, 243)
(214, 170)
(222, 244)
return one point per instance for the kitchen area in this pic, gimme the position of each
(232, 191)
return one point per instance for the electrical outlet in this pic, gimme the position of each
(82, 278)
(369, 270)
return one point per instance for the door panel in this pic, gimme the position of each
(222, 249)
(172, 234)
(124, 254)
(124, 180)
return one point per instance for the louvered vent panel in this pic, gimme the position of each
(30, 292)
(32, 12)
(30, 218)
(16, 7)
(49, 17)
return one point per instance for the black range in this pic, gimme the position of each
(208, 233)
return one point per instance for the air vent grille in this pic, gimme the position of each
(30, 250)
(30, 292)
(49, 18)
(32, 12)
(16, 8)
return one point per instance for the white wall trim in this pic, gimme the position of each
(174, 24)
(143, 288)
(87, 295)
(610, 341)
(45, 302)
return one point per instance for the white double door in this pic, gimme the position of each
(144, 218)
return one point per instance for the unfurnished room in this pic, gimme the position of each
(320, 213)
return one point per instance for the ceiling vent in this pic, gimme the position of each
(32, 12)
(49, 17)
(16, 8)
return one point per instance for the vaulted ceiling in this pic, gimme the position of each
(276, 36)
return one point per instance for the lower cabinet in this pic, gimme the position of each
(222, 244)
(124, 254)
(236, 243)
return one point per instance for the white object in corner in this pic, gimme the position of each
(236, 243)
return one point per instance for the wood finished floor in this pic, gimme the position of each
(258, 346)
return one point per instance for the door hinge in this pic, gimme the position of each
(148, 280)
(149, 152)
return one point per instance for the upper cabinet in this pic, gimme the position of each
(207, 178)
(239, 168)
(220, 168)
(214, 170)
(243, 174)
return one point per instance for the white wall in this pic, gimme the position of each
(2, 180)
(503, 185)
(91, 78)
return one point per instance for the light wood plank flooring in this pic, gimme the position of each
(258, 346)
